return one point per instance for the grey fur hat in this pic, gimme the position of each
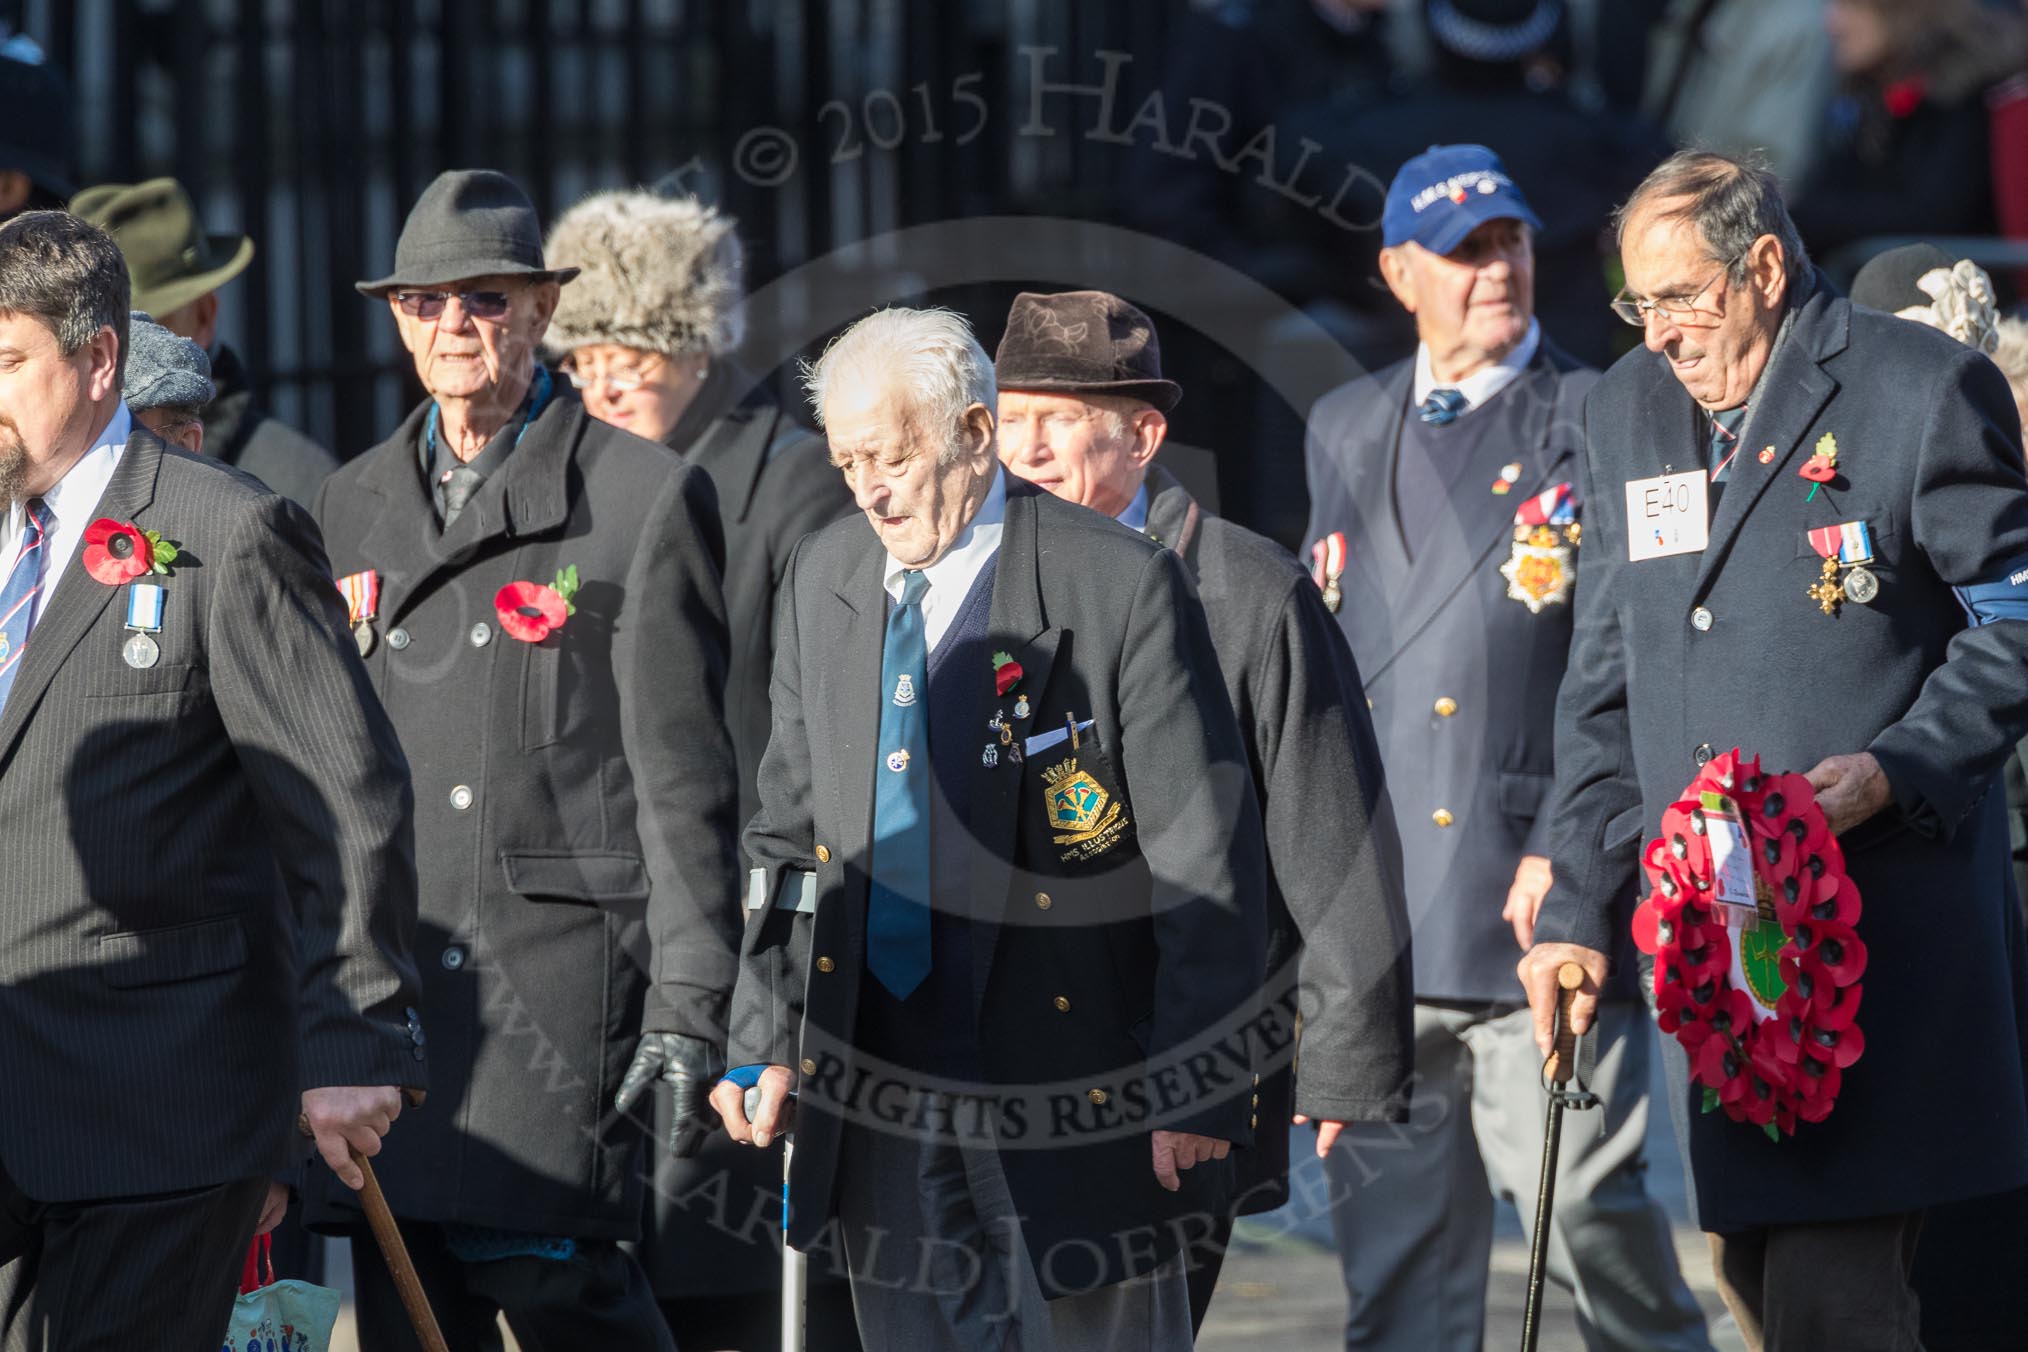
(163, 369)
(661, 274)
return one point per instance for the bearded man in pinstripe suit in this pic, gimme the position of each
(207, 876)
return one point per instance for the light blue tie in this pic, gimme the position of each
(897, 908)
(17, 598)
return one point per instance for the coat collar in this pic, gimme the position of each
(82, 598)
(529, 495)
(1173, 515)
(1795, 390)
(728, 433)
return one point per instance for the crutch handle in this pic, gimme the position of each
(1563, 1051)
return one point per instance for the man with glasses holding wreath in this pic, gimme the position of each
(1845, 597)
(537, 596)
(1446, 523)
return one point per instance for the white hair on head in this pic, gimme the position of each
(940, 368)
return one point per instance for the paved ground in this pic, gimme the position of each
(1281, 1291)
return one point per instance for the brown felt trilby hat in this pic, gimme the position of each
(1083, 342)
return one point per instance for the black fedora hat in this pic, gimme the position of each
(1083, 342)
(468, 223)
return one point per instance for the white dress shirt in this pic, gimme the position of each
(951, 577)
(75, 501)
(1134, 516)
(1481, 385)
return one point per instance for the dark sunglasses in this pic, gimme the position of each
(430, 304)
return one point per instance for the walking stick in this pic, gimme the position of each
(392, 1251)
(395, 1253)
(1557, 1073)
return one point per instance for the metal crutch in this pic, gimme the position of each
(795, 1264)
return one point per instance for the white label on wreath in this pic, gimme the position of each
(1731, 859)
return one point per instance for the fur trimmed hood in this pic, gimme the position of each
(659, 274)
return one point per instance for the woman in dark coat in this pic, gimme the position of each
(1909, 148)
(646, 332)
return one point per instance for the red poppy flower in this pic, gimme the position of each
(1819, 469)
(115, 552)
(530, 611)
(1903, 97)
(1006, 673)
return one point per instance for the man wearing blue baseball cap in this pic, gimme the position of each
(1445, 524)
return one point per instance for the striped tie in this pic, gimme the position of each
(17, 598)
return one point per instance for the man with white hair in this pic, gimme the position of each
(1007, 788)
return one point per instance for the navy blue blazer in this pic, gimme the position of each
(1680, 657)
(1115, 972)
(1460, 676)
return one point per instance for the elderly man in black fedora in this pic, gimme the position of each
(178, 268)
(1083, 407)
(537, 595)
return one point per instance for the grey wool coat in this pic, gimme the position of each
(1154, 942)
(210, 889)
(1338, 943)
(575, 805)
(1677, 658)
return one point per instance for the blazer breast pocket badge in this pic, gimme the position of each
(1080, 799)
(1540, 567)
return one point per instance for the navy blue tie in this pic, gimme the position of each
(1442, 407)
(17, 598)
(897, 907)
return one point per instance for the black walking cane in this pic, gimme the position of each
(1557, 1073)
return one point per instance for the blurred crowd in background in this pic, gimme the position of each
(1259, 133)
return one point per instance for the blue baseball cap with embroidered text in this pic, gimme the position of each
(1447, 192)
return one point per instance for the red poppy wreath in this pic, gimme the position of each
(1764, 998)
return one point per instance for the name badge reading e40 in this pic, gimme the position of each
(1668, 514)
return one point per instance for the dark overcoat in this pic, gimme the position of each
(775, 485)
(1681, 657)
(1461, 677)
(1153, 944)
(209, 896)
(245, 436)
(574, 804)
(1337, 948)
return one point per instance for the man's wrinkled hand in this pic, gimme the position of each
(772, 1110)
(690, 1065)
(348, 1118)
(273, 1208)
(1538, 970)
(1524, 898)
(1849, 789)
(1175, 1151)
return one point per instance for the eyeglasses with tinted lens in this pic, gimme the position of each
(430, 304)
(1675, 309)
